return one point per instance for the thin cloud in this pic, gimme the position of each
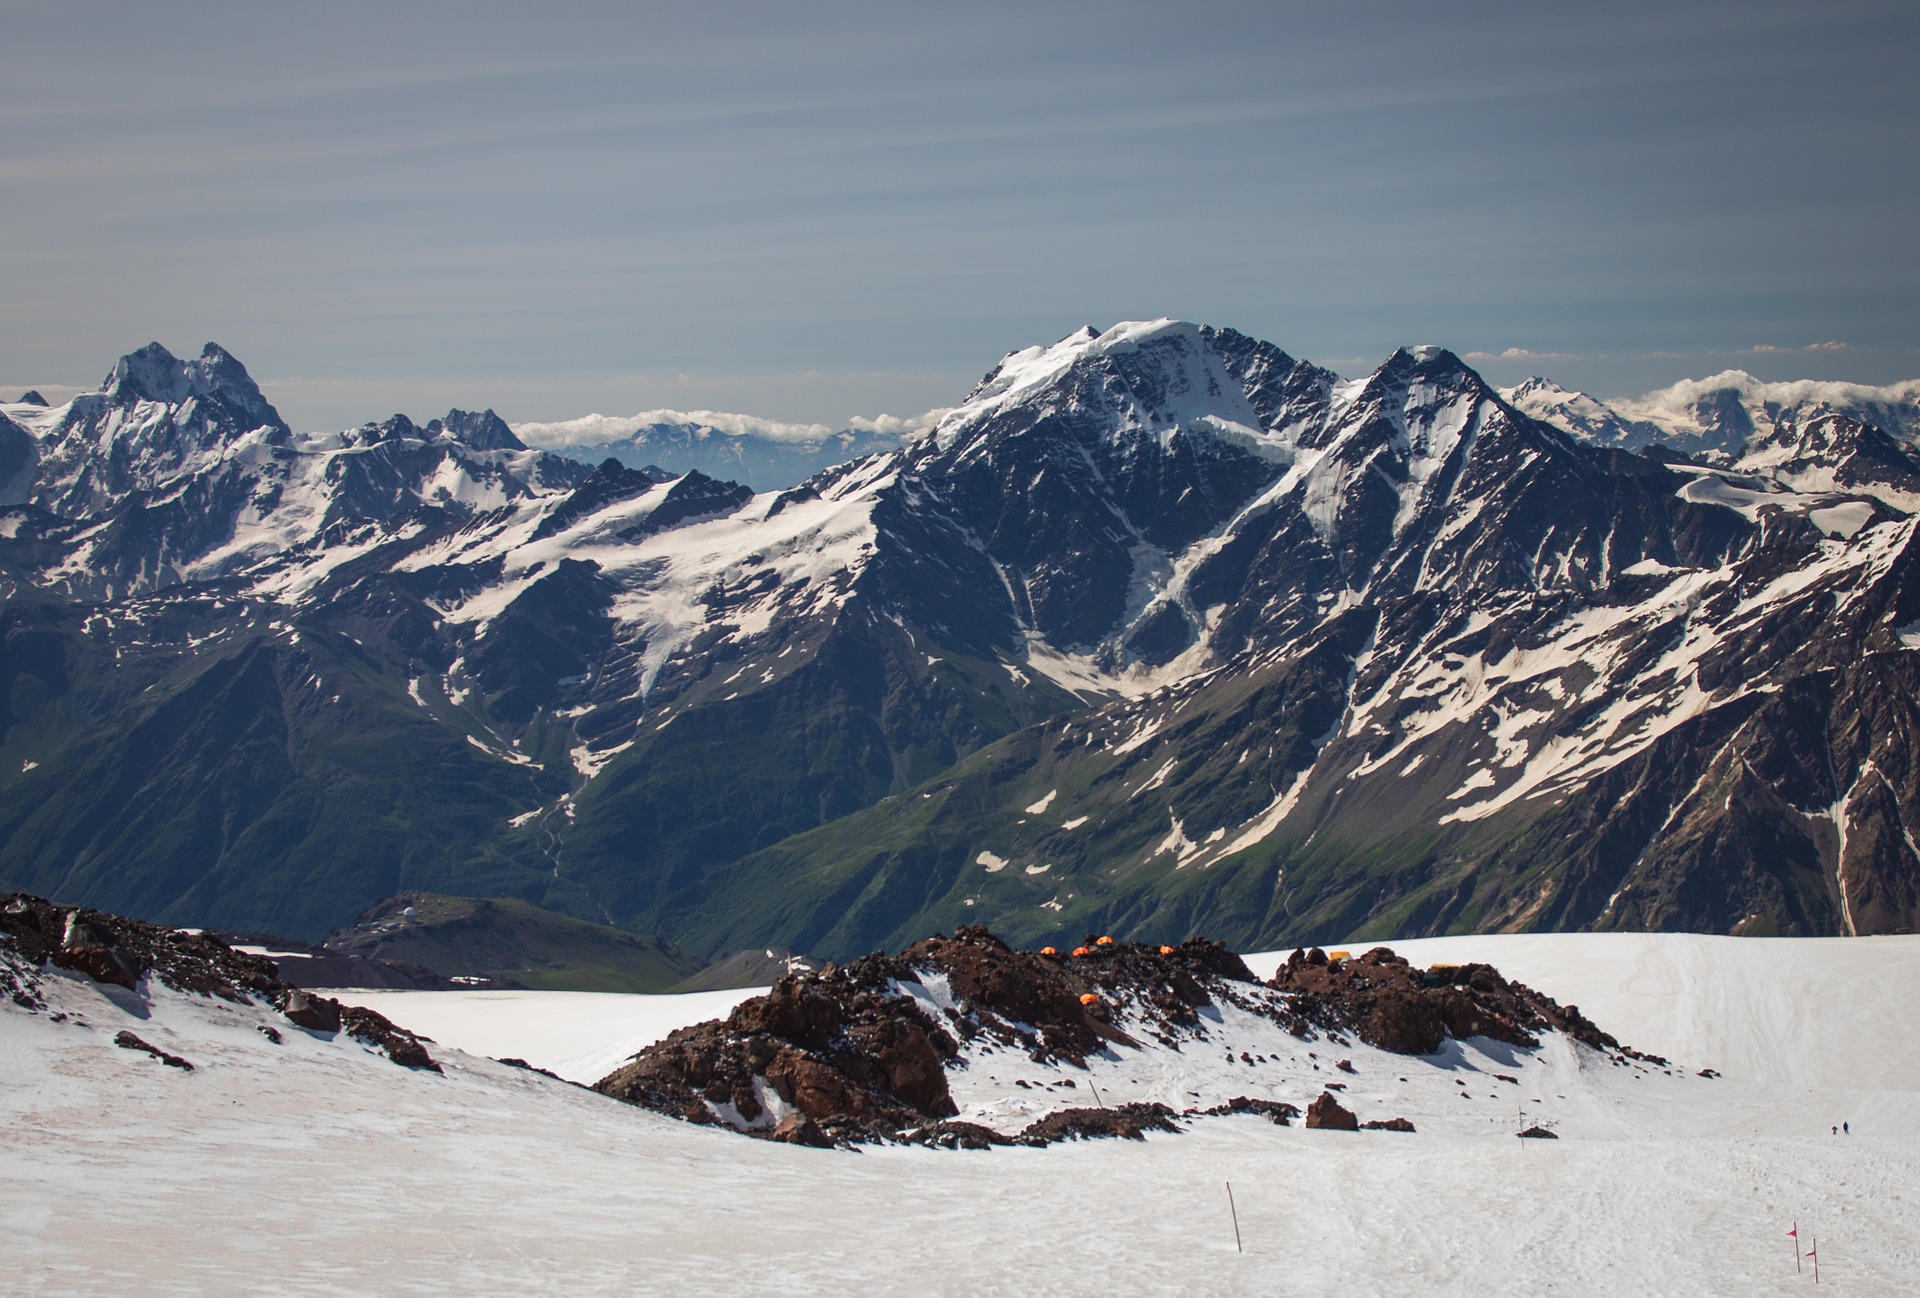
(1767, 349)
(1520, 354)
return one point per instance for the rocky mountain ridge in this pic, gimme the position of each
(1161, 629)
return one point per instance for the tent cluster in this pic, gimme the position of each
(1089, 950)
(1094, 949)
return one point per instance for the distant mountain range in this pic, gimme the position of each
(1718, 416)
(762, 453)
(1159, 630)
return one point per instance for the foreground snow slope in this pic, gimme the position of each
(314, 1168)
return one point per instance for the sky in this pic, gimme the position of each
(815, 212)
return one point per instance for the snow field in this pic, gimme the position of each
(316, 1167)
(582, 1036)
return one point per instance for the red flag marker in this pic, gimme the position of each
(1795, 1235)
(1813, 1251)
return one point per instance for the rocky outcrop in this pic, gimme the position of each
(1278, 1112)
(955, 1134)
(114, 949)
(1128, 1121)
(853, 1061)
(861, 1058)
(861, 1051)
(1387, 1002)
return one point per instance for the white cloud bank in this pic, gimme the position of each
(597, 428)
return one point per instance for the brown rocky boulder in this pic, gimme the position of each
(819, 1090)
(315, 1013)
(1326, 1114)
(907, 1062)
(382, 1034)
(799, 1129)
(90, 949)
(792, 1011)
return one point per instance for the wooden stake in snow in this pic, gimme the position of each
(1236, 1219)
(1096, 1093)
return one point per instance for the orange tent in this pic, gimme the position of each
(1105, 941)
(1088, 998)
(1166, 950)
(1047, 950)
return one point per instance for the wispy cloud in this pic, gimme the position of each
(589, 429)
(1520, 354)
(1767, 349)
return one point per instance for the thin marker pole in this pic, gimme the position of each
(1794, 1235)
(1813, 1251)
(1236, 1219)
(1096, 1093)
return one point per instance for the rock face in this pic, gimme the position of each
(1327, 1114)
(114, 949)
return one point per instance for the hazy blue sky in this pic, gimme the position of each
(816, 211)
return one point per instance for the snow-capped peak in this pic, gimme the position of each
(1167, 368)
(155, 374)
